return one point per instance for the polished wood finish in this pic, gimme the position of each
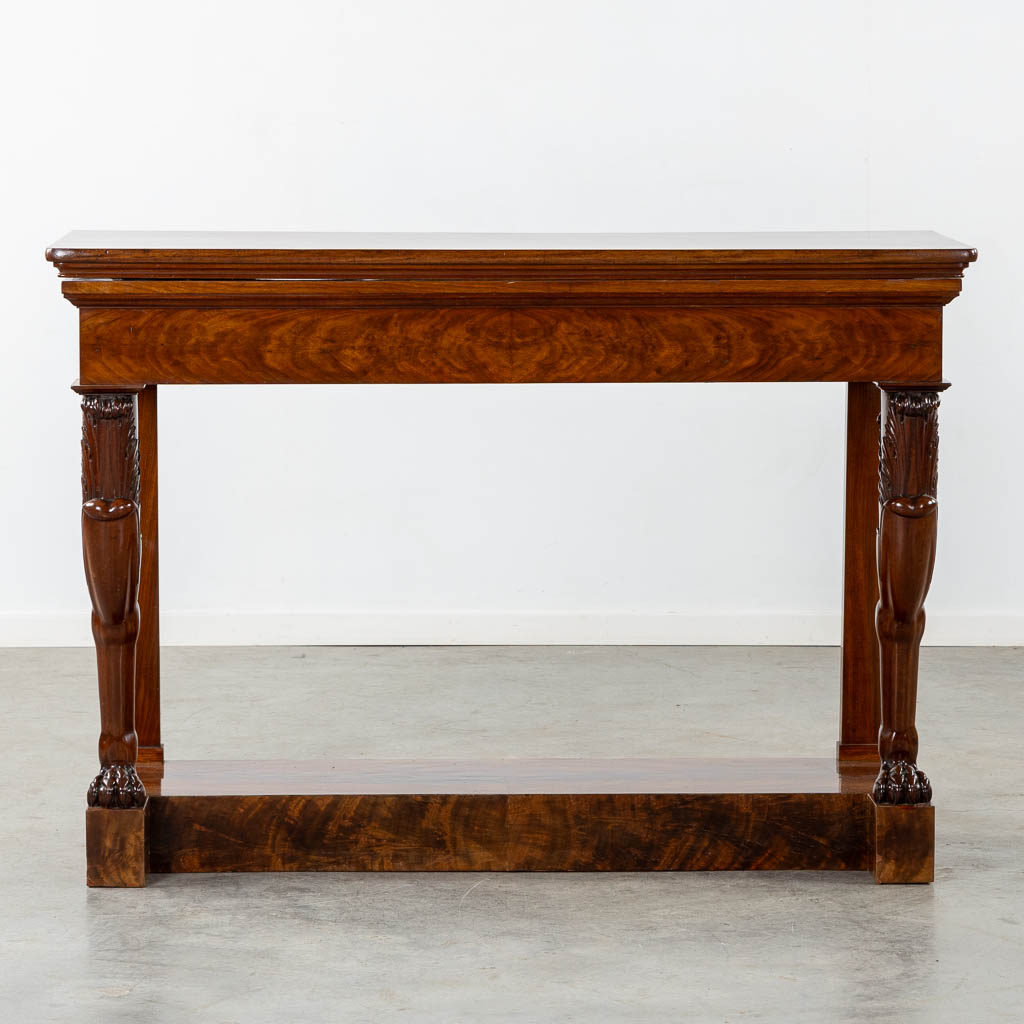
(904, 843)
(111, 542)
(513, 815)
(500, 346)
(116, 847)
(226, 308)
(859, 706)
(642, 308)
(147, 651)
(589, 832)
(522, 291)
(222, 256)
(367, 776)
(907, 531)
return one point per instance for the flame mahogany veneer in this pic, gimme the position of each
(249, 308)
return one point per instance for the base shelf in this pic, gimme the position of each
(663, 814)
(543, 775)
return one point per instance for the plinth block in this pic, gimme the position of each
(115, 846)
(904, 843)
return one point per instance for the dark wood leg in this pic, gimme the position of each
(111, 543)
(860, 714)
(908, 475)
(147, 667)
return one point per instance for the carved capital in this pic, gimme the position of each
(908, 455)
(110, 455)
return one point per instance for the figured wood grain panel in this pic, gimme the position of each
(479, 345)
(524, 832)
(904, 844)
(115, 847)
(256, 346)
(723, 344)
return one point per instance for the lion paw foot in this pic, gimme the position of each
(118, 785)
(900, 782)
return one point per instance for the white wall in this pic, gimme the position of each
(530, 514)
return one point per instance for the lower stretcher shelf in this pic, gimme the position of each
(518, 815)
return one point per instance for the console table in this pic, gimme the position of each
(246, 308)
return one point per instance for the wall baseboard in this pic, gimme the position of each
(71, 629)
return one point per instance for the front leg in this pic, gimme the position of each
(908, 475)
(112, 547)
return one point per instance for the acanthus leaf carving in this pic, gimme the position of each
(110, 452)
(908, 454)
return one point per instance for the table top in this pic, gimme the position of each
(349, 241)
(251, 308)
(123, 254)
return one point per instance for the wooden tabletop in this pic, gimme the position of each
(249, 308)
(340, 241)
(187, 254)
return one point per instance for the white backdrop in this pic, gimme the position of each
(530, 514)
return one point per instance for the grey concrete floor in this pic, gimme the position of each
(817, 947)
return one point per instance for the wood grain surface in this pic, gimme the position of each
(498, 832)
(347, 776)
(546, 814)
(194, 308)
(115, 847)
(466, 345)
(904, 843)
(859, 705)
(532, 291)
(111, 543)
(907, 535)
(147, 650)
(325, 255)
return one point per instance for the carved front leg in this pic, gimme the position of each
(908, 475)
(112, 547)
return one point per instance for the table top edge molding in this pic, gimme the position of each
(222, 256)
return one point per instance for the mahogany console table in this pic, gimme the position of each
(185, 308)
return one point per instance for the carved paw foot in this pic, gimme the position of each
(117, 786)
(900, 782)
